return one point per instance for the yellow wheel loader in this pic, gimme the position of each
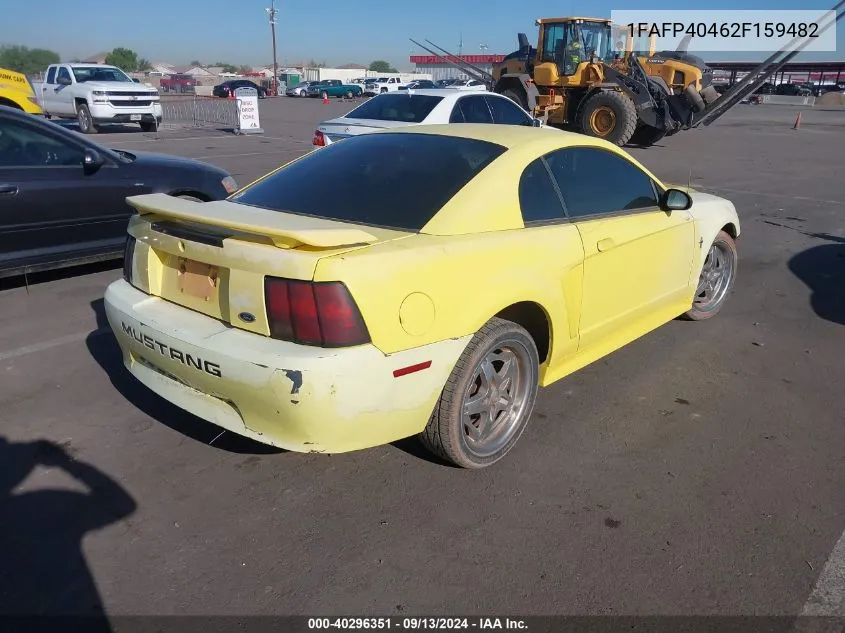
(589, 75)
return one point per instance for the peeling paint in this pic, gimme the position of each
(295, 376)
(294, 401)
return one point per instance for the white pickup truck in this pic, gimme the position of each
(95, 94)
(379, 85)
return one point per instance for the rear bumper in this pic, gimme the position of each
(299, 398)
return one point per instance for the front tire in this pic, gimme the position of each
(518, 98)
(610, 115)
(148, 126)
(716, 279)
(488, 399)
(83, 118)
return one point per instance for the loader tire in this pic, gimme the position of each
(609, 115)
(518, 98)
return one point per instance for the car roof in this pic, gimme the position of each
(514, 137)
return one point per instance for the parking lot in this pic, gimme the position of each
(698, 470)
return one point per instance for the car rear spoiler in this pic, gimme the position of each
(285, 230)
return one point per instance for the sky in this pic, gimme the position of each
(238, 31)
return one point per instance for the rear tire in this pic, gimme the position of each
(716, 279)
(83, 118)
(518, 98)
(186, 196)
(609, 115)
(488, 399)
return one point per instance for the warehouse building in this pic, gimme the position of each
(439, 69)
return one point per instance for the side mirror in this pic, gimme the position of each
(675, 200)
(63, 81)
(91, 161)
(536, 122)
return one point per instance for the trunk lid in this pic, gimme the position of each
(341, 128)
(213, 257)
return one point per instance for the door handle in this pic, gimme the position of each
(606, 244)
(8, 190)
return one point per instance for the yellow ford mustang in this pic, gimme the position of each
(417, 281)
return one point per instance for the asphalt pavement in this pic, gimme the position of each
(699, 470)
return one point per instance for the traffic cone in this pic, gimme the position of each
(797, 122)
(325, 98)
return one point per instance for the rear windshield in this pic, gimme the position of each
(396, 107)
(397, 181)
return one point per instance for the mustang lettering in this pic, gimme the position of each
(172, 353)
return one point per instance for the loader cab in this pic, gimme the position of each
(566, 44)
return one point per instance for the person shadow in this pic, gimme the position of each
(822, 269)
(45, 582)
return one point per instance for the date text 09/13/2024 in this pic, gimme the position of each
(418, 624)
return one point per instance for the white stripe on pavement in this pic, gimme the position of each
(828, 597)
(824, 611)
(56, 342)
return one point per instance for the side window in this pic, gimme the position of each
(24, 146)
(506, 112)
(457, 114)
(64, 73)
(538, 197)
(51, 75)
(596, 181)
(553, 42)
(475, 110)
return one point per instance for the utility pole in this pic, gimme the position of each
(272, 13)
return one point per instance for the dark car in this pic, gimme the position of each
(228, 88)
(419, 84)
(793, 90)
(63, 197)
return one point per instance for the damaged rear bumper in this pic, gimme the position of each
(296, 397)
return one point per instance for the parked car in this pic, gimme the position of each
(180, 83)
(228, 88)
(63, 197)
(334, 88)
(469, 85)
(98, 94)
(300, 89)
(16, 91)
(363, 326)
(378, 85)
(419, 84)
(422, 107)
(793, 90)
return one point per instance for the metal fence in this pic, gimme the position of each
(196, 111)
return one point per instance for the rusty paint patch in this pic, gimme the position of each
(295, 376)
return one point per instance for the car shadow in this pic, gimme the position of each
(43, 572)
(31, 279)
(413, 447)
(106, 352)
(822, 268)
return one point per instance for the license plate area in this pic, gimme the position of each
(197, 279)
(134, 117)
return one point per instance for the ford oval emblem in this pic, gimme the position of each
(246, 317)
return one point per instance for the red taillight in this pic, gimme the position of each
(319, 313)
(319, 139)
